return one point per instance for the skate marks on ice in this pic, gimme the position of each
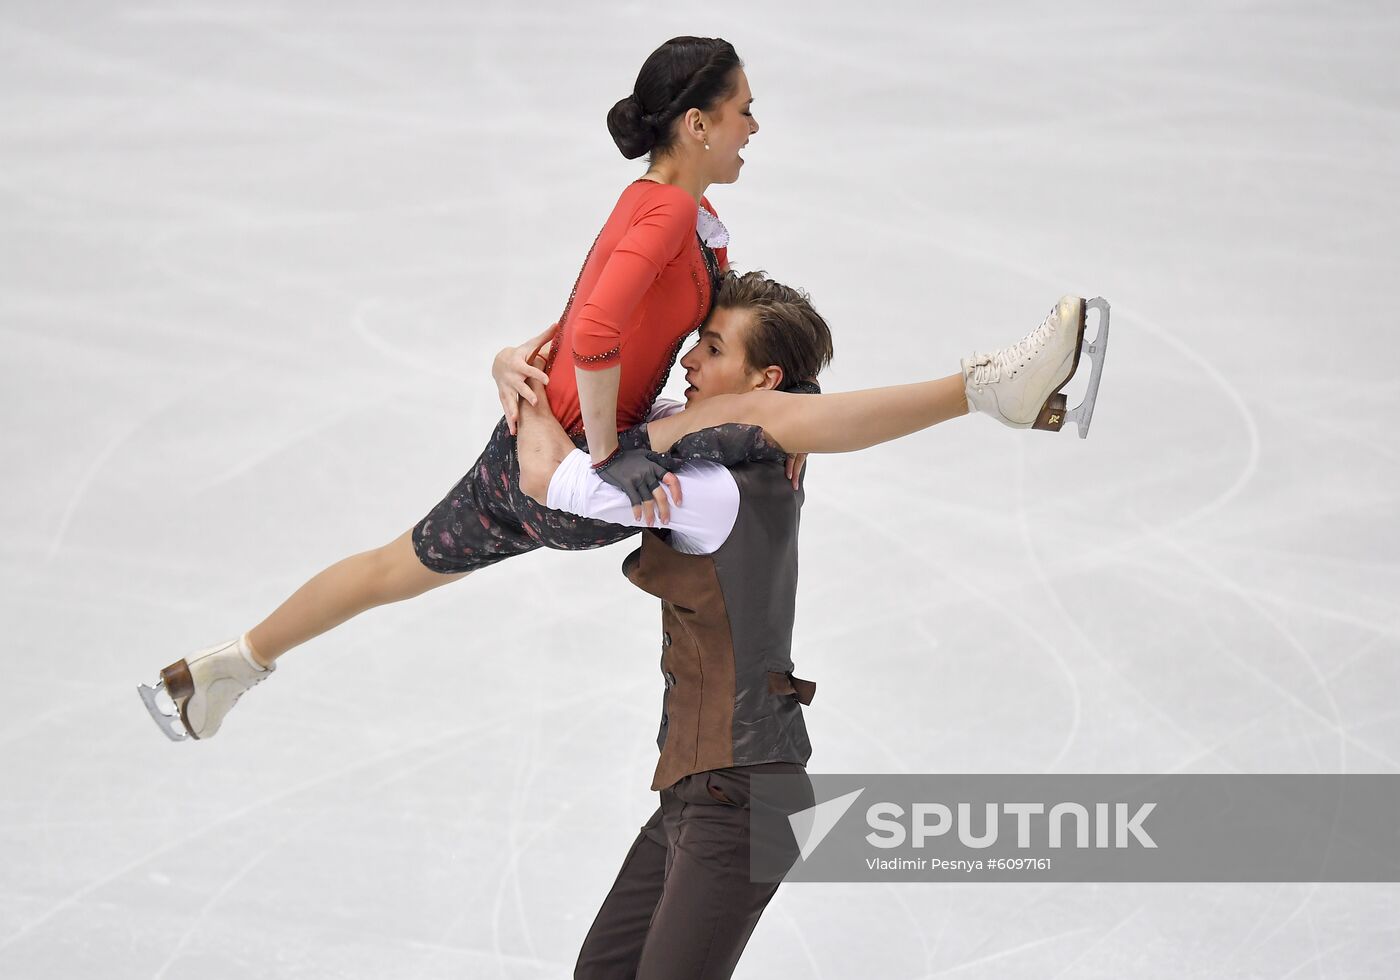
(460, 742)
(420, 754)
(1147, 568)
(896, 548)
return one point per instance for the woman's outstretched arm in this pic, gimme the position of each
(837, 423)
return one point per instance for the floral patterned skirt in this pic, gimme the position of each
(486, 518)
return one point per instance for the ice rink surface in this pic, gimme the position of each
(255, 260)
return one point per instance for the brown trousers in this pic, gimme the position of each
(683, 907)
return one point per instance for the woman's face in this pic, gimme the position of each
(718, 364)
(727, 130)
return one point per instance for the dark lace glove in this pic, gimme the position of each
(636, 472)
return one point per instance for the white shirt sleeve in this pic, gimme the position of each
(664, 408)
(698, 526)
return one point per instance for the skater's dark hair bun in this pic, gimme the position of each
(684, 73)
(630, 129)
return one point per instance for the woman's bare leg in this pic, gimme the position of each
(343, 591)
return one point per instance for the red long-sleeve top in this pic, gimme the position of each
(643, 287)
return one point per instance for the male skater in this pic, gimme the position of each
(726, 571)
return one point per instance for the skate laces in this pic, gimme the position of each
(987, 368)
(258, 679)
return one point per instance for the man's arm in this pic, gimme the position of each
(543, 446)
(557, 475)
(839, 423)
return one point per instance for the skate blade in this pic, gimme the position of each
(178, 685)
(165, 721)
(1054, 415)
(1097, 350)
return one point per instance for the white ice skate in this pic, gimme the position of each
(1020, 385)
(202, 688)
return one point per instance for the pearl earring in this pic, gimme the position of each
(707, 146)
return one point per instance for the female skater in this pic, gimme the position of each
(645, 285)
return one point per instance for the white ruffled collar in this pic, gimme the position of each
(711, 229)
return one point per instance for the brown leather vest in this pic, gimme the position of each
(726, 621)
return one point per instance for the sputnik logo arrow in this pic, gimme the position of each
(810, 826)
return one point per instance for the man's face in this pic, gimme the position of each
(717, 364)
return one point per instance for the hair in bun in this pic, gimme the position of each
(684, 73)
(630, 129)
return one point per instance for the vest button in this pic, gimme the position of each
(665, 639)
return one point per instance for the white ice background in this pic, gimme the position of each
(254, 262)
